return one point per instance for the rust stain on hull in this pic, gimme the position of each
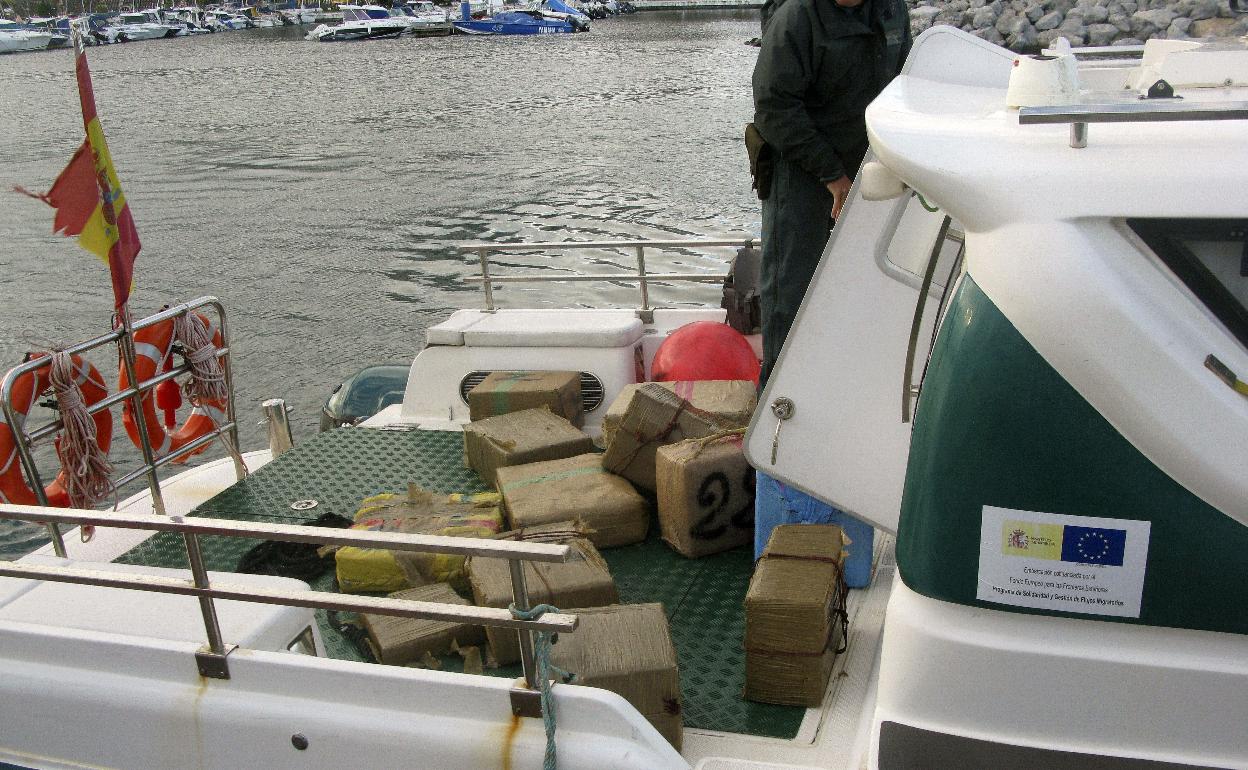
(509, 739)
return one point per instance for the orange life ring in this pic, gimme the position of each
(153, 346)
(26, 390)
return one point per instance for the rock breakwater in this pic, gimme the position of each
(1029, 25)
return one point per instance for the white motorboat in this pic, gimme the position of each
(1018, 360)
(16, 38)
(422, 17)
(359, 24)
(222, 19)
(195, 20)
(146, 25)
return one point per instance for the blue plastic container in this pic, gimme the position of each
(776, 503)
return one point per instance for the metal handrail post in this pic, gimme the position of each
(27, 460)
(641, 275)
(483, 255)
(126, 343)
(213, 627)
(520, 597)
(240, 470)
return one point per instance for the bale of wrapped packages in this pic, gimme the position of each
(362, 570)
(396, 640)
(517, 438)
(795, 615)
(582, 582)
(731, 401)
(575, 488)
(627, 649)
(655, 416)
(506, 392)
(705, 494)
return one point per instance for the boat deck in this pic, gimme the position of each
(703, 597)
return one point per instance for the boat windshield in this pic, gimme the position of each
(354, 14)
(1210, 256)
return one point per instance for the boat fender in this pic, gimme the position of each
(879, 183)
(26, 391)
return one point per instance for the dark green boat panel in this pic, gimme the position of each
(703, 597)
(997, 425)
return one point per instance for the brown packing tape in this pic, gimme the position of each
(705, 494)
(396, 640)
(656, 416)
(584, 582)
(575, 488)
(628, 650)
(517, 438)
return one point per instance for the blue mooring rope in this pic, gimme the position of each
(541, 657)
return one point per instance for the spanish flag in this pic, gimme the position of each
(88, 199)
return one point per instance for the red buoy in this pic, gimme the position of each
(705, 350)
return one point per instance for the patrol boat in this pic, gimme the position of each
(1020, 356)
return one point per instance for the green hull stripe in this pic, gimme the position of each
(997, 425)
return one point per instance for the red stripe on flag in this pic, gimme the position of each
(74, 194)
(86, 94)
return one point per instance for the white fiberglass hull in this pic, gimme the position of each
(19, 40)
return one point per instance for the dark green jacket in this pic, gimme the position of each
(819, 67)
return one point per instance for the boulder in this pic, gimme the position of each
(1102, 34)
(1051, 20)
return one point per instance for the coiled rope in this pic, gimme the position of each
(87, 468)
(207, 382)
(541, 656)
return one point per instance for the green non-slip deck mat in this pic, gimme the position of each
(703, 597)
(337, 469)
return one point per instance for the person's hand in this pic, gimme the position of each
(839, 188)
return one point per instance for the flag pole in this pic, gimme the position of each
(125, 344)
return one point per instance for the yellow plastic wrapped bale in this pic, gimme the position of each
(370, 570)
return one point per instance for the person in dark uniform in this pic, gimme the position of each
(820, 65)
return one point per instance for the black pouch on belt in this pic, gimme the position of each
(761, 162)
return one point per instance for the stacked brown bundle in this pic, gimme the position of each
(795, 615)
(397, 640)
(654, 416)
(706, 494)
(522, 437)
(732, 401)
(506, 392)
(583, 582)
(627, 649)
(575, 488)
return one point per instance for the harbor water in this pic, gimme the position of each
(320, 189)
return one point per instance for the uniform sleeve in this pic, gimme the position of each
(783, 75)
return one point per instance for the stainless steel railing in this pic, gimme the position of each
(643, 278)
(212, 659)
(1139, 111)
(25, 438)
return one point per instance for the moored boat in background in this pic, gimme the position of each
(358, 24)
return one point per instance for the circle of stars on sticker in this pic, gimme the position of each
(1092, 541)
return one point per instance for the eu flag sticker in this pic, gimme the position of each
(1094, 545)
